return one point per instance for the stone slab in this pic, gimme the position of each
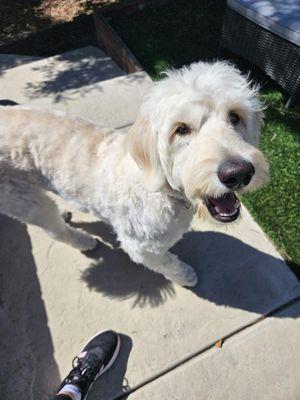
(113, 103)
(54, 75)
(262, 362)
(84, 82)
(8, 61)
(161, 323)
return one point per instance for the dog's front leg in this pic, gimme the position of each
(172, 268)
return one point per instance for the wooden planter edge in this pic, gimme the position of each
(114, 46)
(108, 38)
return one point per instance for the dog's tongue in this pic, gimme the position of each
(225, 204)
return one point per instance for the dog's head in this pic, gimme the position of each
(197, 131)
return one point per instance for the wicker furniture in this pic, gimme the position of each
(267, 33)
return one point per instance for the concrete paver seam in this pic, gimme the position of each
(207, 348)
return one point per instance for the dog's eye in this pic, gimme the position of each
(183, 130)
(234, 118)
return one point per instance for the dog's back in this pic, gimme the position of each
(39, 140)
(50, 149)
(14, 151)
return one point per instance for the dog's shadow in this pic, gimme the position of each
(231, 273)
(113, 273)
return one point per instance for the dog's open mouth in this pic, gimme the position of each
(225, 208)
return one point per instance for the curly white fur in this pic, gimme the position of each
(141, 182)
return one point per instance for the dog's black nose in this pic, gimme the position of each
(235, 174)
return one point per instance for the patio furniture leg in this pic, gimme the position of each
(292, 100)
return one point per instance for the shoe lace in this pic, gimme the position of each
(84, 368)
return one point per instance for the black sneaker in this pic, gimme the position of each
(97, 356)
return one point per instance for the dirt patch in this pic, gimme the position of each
(21, 19)
(66, 10)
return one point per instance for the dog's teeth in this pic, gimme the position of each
(227, 215)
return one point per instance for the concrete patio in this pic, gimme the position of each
(53, 298)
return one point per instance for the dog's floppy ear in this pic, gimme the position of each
(141, 142)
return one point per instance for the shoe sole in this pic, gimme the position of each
(111, 362)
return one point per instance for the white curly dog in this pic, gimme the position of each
(191, 147)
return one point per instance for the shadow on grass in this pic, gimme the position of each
(192, 33)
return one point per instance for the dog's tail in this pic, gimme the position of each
(7, 102)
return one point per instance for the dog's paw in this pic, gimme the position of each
(81, 240)
(67, 216)
(191, 278)
(88, 243)
(186, 276)
(92, 253)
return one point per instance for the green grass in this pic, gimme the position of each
(277, 206)
(184, 32)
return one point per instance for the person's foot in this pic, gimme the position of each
(97, 356)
